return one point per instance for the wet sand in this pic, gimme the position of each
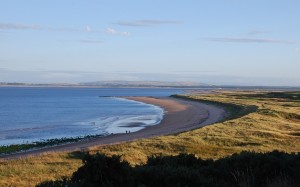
(180, 115)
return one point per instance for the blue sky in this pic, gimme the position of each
(217, 42)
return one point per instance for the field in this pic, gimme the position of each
(257, 121)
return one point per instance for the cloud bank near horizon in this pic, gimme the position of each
(206, 77)
(247, 40)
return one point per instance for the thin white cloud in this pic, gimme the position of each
(125, 33)
(88, 29)
(257, 32)
(297, 49)
(115, 32)
(17, 26)
(145, 23)
(4, 27)
(91, 41)
(111, 31)
(248, 40)
(64, 29)
(10, 26)
(4, 32)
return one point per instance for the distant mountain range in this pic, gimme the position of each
(150, 84)
(118, 84)
(144, 84)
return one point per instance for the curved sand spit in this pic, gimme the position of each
(180, 115)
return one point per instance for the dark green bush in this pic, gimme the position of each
(102, 170)
(244, 169)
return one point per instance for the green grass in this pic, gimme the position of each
(288, 96)
(265, 122)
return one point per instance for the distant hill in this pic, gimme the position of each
(148, 84)
(144, 84)
(115, 84)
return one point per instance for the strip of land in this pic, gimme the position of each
(180, 115)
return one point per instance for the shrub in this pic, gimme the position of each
(243, 169)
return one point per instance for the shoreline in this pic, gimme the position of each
(180, 115)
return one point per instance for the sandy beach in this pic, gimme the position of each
(180, 115)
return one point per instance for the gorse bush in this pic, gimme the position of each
(243, 169)
(294, 96)
(102, 170)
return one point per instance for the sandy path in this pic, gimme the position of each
(180, 115)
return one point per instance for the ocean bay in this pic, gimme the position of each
(29, 114)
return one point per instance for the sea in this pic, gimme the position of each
(34, 114)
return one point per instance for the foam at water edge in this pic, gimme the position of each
(135, 123)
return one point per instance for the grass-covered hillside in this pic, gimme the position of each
(258, 121)
(274, 124)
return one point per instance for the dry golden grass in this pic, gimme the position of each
(275, 125)
(33, 170)
(256, 131)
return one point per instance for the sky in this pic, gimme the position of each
(222, 42)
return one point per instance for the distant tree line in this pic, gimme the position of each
(247, 169)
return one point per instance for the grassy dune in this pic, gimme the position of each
(272, 121)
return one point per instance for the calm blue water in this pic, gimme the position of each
(35, 114)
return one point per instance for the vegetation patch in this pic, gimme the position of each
(292, 96)
(274, 113)
(243, 169)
